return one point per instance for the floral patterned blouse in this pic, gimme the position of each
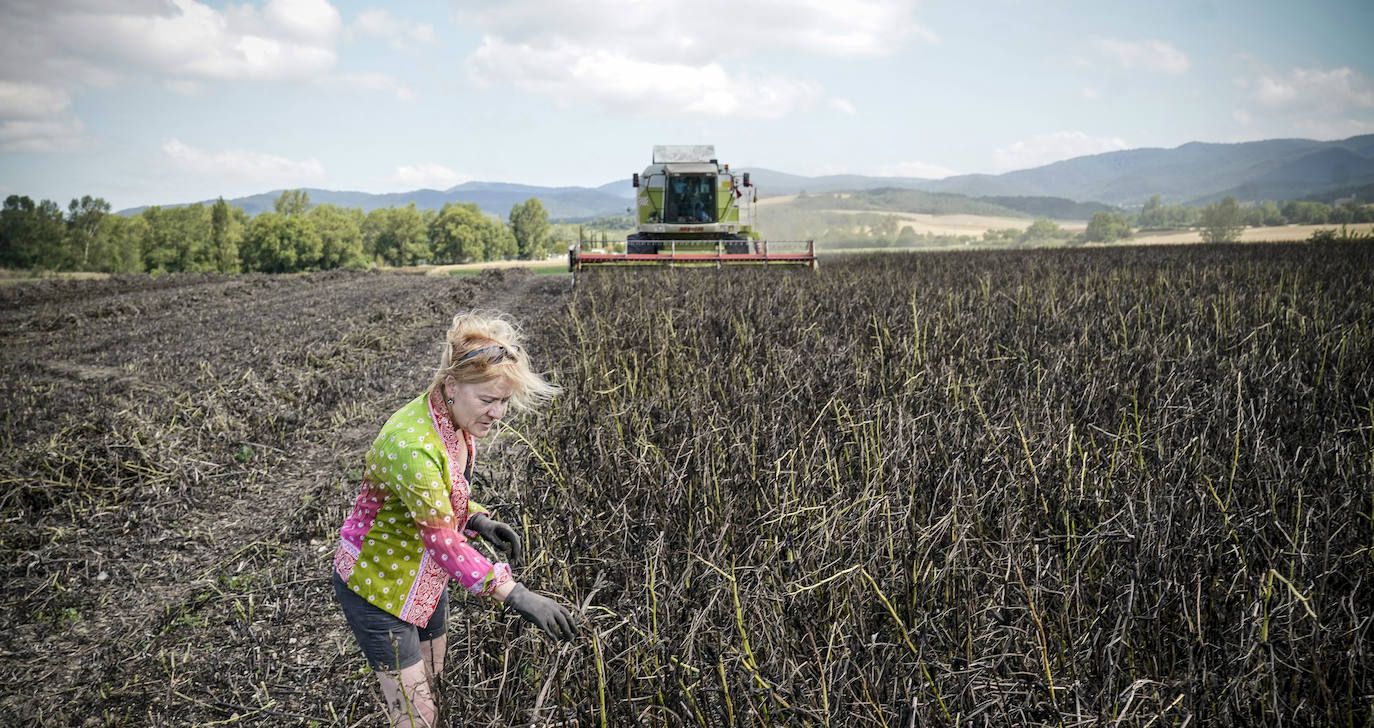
(405, 537)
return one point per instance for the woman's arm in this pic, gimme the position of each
(415, 476)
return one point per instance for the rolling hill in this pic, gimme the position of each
(495, 198)
(1275, 169)
(1195, 173)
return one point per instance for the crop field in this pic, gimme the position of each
(1095, 487)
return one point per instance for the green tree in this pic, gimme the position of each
(1152, 215)
(501, 243)
(179, 239)
(1042, 230)
(396, 236)
(885, 229)
(191, 232)
(1341, 215)
(83, 226)
(226, 234)
(1180, 216)
(275, 243)
(1002, 235)
(292, 203)
(1303, 212)
(264, 244)
(529, 223)
(31, 235)
(123, 243)
(158, 249)
(456, 235)
(1270, 214)
(1107, 227)
(341, 236)
(1222, 222)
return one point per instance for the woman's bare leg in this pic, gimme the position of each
(409, 697)
(432, 652)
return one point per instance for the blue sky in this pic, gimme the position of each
(157, 102)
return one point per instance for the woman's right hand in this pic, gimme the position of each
(542, 612)
(498, 534)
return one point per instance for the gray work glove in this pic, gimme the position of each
(498, 534)
(542, 612)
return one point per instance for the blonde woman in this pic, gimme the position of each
(408, 532)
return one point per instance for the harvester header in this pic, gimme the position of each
(692, 210)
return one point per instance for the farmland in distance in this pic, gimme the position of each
(1121, 486)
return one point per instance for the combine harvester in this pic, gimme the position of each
(691, 211)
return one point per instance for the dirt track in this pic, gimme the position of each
(177, 453)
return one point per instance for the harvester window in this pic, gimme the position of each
(691, 198)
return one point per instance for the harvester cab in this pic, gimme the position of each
(691, 211)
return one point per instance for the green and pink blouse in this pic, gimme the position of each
(405, 537)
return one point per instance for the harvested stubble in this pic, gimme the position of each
(1107, 487)
(174, 462)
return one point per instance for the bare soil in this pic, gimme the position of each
(177, 454)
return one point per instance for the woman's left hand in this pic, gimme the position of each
(498, 534)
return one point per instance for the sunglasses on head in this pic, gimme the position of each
(495, 354)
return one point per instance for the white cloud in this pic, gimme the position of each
(1276, 92)
(698, 32)
(1331, 91)
(615, 81)
(914, 169)
(660, 56)
(43, 135)
(1151, 55)
(1242, 117)
(183, 87)
(241, 165)
(369, 81)
(1333, 128)
(424, 176)
(52, 50)
(844, 106)
(1091, 94)
(75, 43)
(1043, 149)
(311, 21)
(288, 39)
(30, 100)
(400, 34)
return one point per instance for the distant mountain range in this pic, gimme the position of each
(495, 198)
(1276, 169)
(1195, 173)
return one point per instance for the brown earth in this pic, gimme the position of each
(177, 455)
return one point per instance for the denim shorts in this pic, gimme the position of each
(388, 643)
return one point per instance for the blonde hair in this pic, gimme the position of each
(506, 356)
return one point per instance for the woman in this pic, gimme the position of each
(405, 537)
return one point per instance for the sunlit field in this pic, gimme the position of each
(1124, 486)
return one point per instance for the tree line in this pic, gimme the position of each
(1155, 215)
(295, 236)
(1223, 221)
